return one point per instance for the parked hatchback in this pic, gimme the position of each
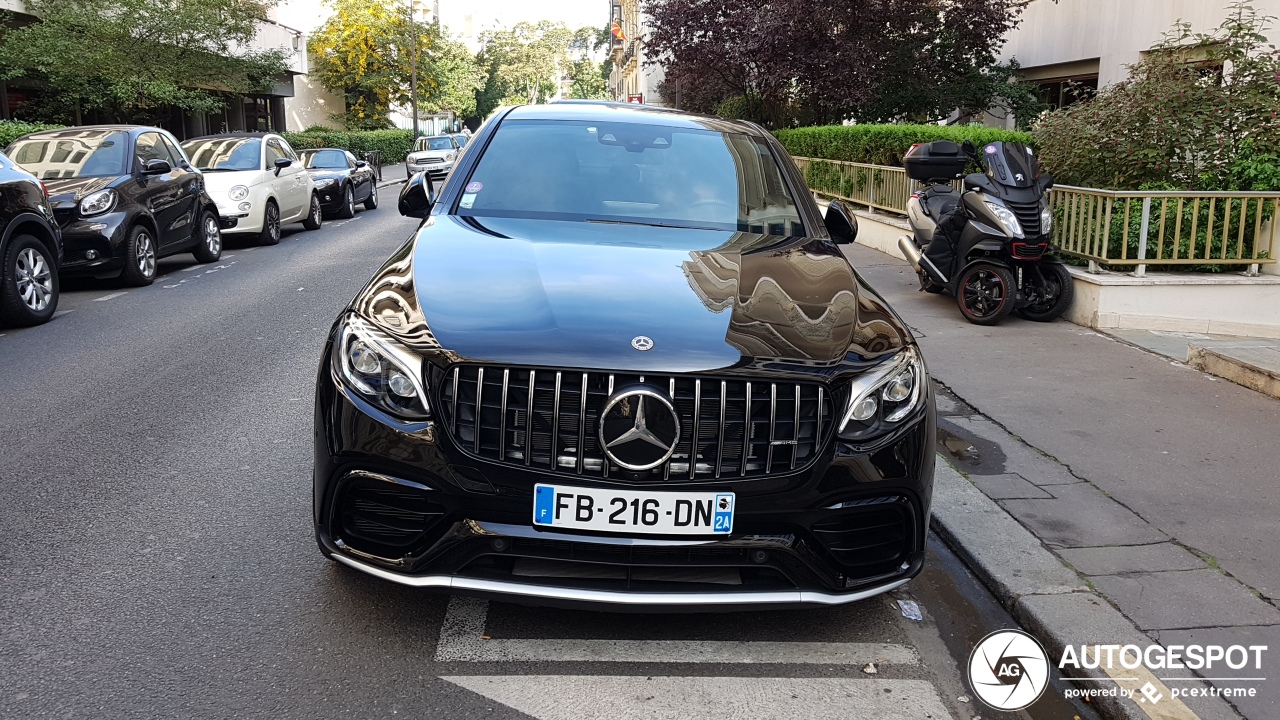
(30, 249)
(124, 196)
(341, 180)
(433, 155)
(258, 182)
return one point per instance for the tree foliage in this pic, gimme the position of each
(458, 77)
(1199, 111)
(807, 62)
(523, 63)
(131, 59)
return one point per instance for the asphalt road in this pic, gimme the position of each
(158, 558)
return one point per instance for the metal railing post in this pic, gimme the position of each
(1141, 270)
(871, 181)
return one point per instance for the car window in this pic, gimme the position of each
(216, 154)
(351, 159)
(174, 152)
(85, 153)
(150, 147)
(326, 159)
(274, 152)
(631, 172)
(286, 148)
(461, 140)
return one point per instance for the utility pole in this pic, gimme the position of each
(413, 64)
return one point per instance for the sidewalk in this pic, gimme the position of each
(1154, 481)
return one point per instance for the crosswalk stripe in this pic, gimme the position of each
(461, 640)
(576, 697)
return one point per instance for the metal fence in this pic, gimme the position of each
(1105, 227)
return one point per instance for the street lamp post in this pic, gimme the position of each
(413, 63)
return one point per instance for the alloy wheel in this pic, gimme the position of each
(351, 201)
(212, 236)
(984, 293)
(273, 222)
(146, 255)
(34, 280)
(315, 210)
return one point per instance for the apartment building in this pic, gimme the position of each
(631, 80)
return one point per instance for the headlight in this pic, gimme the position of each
(1006, 218)
(380, 371)
(238, 192)
(97, 203)
(415, 159)
(324, 182)
(450, 156)
(1046, 221)
(885, 395)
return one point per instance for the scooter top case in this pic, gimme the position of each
(938, 160)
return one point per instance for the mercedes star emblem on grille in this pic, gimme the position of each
(639, 429)
(642, 343)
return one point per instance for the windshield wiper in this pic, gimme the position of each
(651, 224)
(218, 169)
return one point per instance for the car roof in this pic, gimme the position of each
(610, 111)
(69, 132)
(311, 150)
(223, 136)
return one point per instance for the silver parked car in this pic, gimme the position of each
(434, 155)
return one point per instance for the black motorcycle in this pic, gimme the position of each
(988, 245)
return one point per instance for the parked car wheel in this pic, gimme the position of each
(371, 203)
(139, 257)
(1049, 299)
(348, 209)
(28, 283)
(314, 216)
(270, 234)
(986, 293)
(209, 247)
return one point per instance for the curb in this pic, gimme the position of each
(1047, 597)
(389, 183)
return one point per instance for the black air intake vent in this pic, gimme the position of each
(860, 537)
(381, 516)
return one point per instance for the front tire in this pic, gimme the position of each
(315, 218)
(28, 283)
(348, 209)
(371, 203)
(139, 257)
(986, 293)
(1052, 297)
(209, 245)
(270, 234)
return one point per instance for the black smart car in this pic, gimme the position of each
(30, 249)
(623, 361)
(123, 196)
(341, 180)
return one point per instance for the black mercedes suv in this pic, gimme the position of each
(624, 362)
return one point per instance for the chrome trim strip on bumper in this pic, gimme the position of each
(781, 597)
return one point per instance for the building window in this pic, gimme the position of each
(1061, 92)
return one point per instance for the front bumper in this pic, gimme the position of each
(850, 526)
(433, 170)
(94, 245)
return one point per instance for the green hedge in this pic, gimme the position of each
(11, 130)
(393, 144)
(882, 144)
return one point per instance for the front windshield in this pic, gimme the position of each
(631, 173)
(87, 153)
(323, 159)
(435, 143)
(225, 153)
(461, 139)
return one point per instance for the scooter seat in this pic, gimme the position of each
(938, 204)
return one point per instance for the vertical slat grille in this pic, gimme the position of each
(549, 420)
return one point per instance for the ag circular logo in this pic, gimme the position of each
(1009, 670)
(639, 428)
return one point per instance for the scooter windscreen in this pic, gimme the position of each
(1011, 164)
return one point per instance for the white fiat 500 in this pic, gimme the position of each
(257, 181)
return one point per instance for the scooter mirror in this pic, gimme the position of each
(969, 149)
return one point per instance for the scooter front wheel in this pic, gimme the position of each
(1051, 295)
(985, 293)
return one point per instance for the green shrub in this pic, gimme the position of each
(393, 144)
(11, 130)
(882, 144)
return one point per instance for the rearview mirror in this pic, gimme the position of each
(156, 166)
(841, 223)
(361, 163)
(1046, 182)
(418, 196)
(282, 163)
(968, 148)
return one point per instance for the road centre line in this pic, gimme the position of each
(112, 296)
(461, 640)
(571, 697)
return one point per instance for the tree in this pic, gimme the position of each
(458, 76)
(133, 59)
(522, 63)
(823, 61)
(589, 77)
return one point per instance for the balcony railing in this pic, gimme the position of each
(1105, 227)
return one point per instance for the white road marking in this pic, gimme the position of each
(250, 248)
(193, 267)
(577, 697)
(112, 296)
(464, 621)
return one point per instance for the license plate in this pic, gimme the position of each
(631, 511)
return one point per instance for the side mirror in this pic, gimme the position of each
(361, 163)
(1046, 182)
(841, 223)
(282, 163)
(156, 166)
(418, 196)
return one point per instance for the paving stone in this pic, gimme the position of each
(999, 453)
(1122, 559)
(1185, 599)
(1266, 704)
(1007, 487)
(1081, 516)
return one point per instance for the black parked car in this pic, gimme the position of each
(124, 196)
(30, 249)
(624, 362)
(341, 180)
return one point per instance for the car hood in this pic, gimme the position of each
(574, 294)
(67, 192)
(424, 154)
(327, 173)
(220, 182)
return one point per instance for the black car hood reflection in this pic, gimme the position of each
(328, 173)
(575, 294)
(72, 190)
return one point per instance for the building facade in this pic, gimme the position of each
(632, 80)
(1073, 47)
